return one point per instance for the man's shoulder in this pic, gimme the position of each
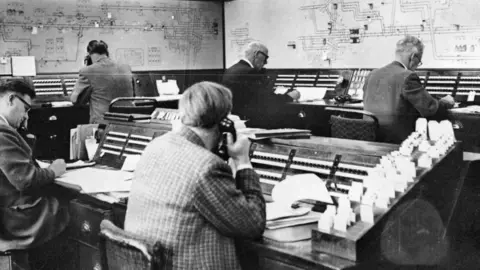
(240, 67)
(123, 66)
(394, 69)
(8, 133)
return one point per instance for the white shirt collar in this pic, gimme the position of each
(246, 60)
(4, 119)
(402, 65)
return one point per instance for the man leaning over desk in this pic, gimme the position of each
(186, 197)
(31, 218)
(253, 99)
(395, 94)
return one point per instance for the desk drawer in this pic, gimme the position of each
(85, 222)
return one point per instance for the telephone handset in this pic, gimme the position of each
(88, 60)
(226, 126)
(26, 135)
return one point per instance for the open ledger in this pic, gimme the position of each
(95, 180)
(294, 188)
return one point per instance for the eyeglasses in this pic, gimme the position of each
(27, 106)
(419, 61)
(264, 54)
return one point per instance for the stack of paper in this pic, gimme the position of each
(311, 93)
(94, 180)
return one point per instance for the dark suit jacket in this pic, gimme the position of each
(28, 217)
(103, 81)
(186, 197)
(397, 97)
(253, 99)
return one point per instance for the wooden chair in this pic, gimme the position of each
(353, 124)
(121, 250)
(14, 260)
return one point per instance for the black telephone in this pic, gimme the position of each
(26, 135)
(226, 126)
(88, 60)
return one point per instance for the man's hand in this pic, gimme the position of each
(239, 149)
(294, 94)
(448, 100)
(58, 166)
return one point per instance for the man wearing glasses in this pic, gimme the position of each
(253, 98)
(30, 218)
(395, 94)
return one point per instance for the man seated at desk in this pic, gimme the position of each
(31, 218)
(186, 197)
(253, 99)
(395, 94)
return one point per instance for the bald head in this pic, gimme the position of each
(257, 54)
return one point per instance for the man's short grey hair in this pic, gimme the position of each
(205, 104)
(253, 47)
(409, 44)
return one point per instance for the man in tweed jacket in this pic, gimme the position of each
(186, 197)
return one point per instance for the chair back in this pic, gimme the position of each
(14, 260)
(121, 250)
(342, 126)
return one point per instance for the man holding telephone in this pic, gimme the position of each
(185, 196)
(31, 218)
(101, 81)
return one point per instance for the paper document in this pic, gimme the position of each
(23, 66)
(56, 104)
(311, 93)
(79, 164)
(278, 211)
(310, 217)
(130, 163)
(94, 180)
(281, 90)
(169, 87)
(301, 187)
(43, 164)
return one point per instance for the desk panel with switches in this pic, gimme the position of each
(331, 80)
(54, 87)
(463, 85)
(345, 165)
(369, 185)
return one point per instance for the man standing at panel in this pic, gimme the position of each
(101, 81)
(253, 99)
(31, 218)
(186, 196)
(395, 94)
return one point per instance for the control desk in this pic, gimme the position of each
(53, 115)
(344, 161)
(462, 84)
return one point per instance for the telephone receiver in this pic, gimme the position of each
(88, 60)
(26, 135)
(225, 126)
